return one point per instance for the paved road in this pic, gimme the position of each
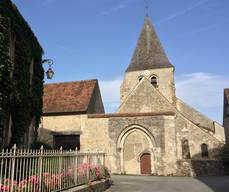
(169, 184)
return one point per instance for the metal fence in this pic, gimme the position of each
(42, 170)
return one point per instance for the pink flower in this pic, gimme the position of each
(69, 172)
(33, 179)
(4, 188)
(22, 183)
(46, 174)
(14, 183)
(6, 180)
(97, 173)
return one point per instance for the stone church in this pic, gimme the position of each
(152, 132)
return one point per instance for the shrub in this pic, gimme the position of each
(38, 144)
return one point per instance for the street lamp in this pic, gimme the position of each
(49, 73)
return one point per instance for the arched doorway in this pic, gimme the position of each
(145, 164)
(133, 142)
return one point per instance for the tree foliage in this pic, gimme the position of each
(224, 153)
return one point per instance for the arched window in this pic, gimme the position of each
(140, 78)
(185, 149)
(153, 81)
(204, 150)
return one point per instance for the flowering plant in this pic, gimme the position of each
(84, 173)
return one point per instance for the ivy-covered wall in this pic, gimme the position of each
(19, 98)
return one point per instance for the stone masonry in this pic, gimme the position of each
(151, 122)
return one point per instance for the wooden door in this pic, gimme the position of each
(145, 163)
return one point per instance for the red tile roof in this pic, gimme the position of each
(226, 91)
(68, 97)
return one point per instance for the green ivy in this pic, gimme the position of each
(5, 67)
(18, 98)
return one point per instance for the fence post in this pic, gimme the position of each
(13, 167)
(40, 167)
(75, 167)
(88, 166)
(104, 158)
(97, 158)
(60, 167)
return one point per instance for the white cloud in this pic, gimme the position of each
(183, 12)
(207, 28)
(118, 7)
(113, 9)
(204, 91)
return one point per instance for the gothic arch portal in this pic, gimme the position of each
(134, 141)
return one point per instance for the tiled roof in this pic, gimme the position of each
(226, 91)
(68, 97)
(149, 54)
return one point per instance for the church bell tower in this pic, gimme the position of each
(149, 61)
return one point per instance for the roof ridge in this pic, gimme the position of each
(68, 82)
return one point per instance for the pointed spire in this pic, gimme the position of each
(149, 53)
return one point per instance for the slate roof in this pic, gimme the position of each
(226, 92)
(68, 97)
(149, 53)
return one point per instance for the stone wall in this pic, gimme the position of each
(151, 139)
(220, 132)
(65, 124)
(207, 167)
(195, 116)
(93, 133)
(196, 136)
(184, 168)
(196, 119)
(125, 138)
(96, 186)
(145, 98)
(200, 168)
(165, 78)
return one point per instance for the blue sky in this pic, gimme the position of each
(90, 39)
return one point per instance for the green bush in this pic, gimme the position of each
(38, 144)
(224, 153)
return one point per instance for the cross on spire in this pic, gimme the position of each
(147, 7)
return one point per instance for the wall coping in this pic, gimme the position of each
(97, 186)
(130, 115)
